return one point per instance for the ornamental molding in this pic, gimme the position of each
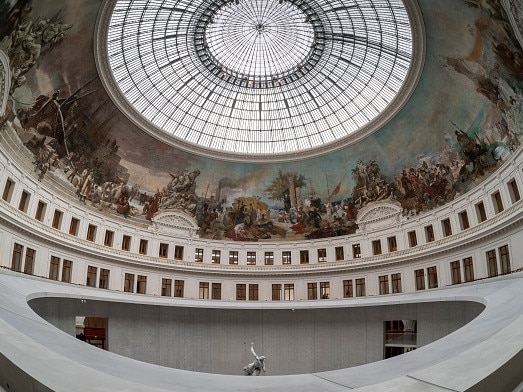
(21, 223)
(378, 215)
(514, 9)
(5, 81)
(174, 223)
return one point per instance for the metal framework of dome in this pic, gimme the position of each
(257, 78)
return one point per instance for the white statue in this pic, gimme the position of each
(257, 366)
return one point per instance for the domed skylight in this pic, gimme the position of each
(258, 78)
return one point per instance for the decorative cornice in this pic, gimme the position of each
(18, 220)
(514, 10)
(379, 214)
(176, 224)
(5, 81)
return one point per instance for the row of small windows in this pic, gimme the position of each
(268, 257)
(23, 260)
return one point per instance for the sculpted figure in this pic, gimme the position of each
(258, 365)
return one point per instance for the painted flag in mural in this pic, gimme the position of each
(336, 190)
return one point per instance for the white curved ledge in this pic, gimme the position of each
(485, 352)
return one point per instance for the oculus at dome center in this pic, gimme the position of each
(263, 79)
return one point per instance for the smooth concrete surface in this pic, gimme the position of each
(218, 340)
(484, 352)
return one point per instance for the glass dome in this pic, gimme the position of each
(258, 78)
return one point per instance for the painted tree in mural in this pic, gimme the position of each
(283, 187)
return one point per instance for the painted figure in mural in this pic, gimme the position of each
(31, 39)
(180, 192)
(153, 206)
(41, 163)
(371, 185)
(258, 365)
(86, 185)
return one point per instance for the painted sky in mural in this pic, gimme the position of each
(463, 120)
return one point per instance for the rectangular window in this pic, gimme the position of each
(481, 212)
(339, 253)
(163, 251)
(241, 292)
(67, 267)
(376, 247)
(276, 292)
(304, 257)
(91, 276)
(108, 239)
(29, 261)
(216, 256)
(268, 258)
(73, 226)
(347, 289)
(233, 257)
(54, 268)
(166, 287)
(498, 203)
(253, 292)
(141, 284)
(312, 290)
(447, 228)
(286, 257)
(468, 268)
(203, 292)
(24, 201)
(360, 287)
(325, 290)
(142, 249)
(464, 220)
(492, 263)
(129, 283)
(16, 262)
(103, 282)
(288, 292)
(126, 243)
(413, 239)
(384, 284)
(513, 191)
(429, 233)
(420, 279)
(322, 255)
(178, 288)
(396, 283)
(57, 219)
(455, 272)
(504, 258)
(40, 211)
(432, 274)
(356, 251)
(91, 233)
(251, 258)
(392, 243)
(8, 190)
(178, 252)
(198, 255)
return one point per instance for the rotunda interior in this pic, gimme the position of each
(305, 176)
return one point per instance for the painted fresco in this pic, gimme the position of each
(463, 120)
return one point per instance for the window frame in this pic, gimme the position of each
(67, 271)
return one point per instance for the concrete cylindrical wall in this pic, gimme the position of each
(218, 340)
